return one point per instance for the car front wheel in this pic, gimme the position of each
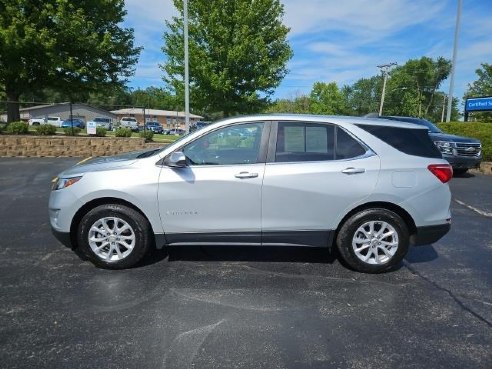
(373, 240)
(114, 236)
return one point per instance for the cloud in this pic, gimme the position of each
(343, 41)
(358, 17)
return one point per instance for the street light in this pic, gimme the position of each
(186, 67)
(453, 65)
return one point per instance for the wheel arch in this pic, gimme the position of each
(93, 204)
(407, 218)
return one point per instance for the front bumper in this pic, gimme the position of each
(429, 234)
(63, 237)
(463, 162)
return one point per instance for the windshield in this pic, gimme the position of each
(101, 120)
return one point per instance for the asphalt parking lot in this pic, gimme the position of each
(214, 307)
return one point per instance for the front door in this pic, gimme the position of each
(216, 198)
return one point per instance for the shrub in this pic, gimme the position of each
(17, 128)
(123, 132)
(46, 130)
(69, 131)
(148, 135)
(101, 131)
(481, 131)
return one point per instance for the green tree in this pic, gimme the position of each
(155, 98)
(481, 87)
(412, 87)
(72, 46)
(297, 105)
(363, 96)
(238, 53)
(326, 98)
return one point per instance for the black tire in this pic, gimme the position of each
(139, 230)
(349, 230)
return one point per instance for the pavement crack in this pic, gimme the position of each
(450, 293)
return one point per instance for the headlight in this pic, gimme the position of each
(445, 147)
(60, 183)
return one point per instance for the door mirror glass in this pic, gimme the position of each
(176, 160)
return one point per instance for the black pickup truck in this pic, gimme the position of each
(462, 153)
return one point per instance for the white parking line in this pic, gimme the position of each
(481, 212)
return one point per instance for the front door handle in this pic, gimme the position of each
(246, 175)
(353, 170)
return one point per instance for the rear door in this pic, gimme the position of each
(314, 173)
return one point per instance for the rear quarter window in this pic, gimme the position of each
(410, 141)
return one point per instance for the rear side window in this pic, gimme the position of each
(407, 140)
(298, 142)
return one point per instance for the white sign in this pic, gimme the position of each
(91, 128)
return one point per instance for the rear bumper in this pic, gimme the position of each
(429, 234)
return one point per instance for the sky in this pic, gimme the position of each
(343, 41)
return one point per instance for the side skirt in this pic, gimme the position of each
(269, 238)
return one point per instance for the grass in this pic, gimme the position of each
(481, 131)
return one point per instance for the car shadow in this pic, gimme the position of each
(420, 254)
(241, 253)
(463, 175)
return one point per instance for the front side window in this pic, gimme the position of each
(236, 144)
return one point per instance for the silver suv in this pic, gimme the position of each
(368, 187)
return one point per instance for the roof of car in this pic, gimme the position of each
(329, 118)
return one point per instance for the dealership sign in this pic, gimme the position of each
(478, 104)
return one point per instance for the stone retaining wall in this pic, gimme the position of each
(70, 146)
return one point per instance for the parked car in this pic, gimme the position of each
(36, 121)
(176, 132)
(77, 122)
(369, 187)
(462, 153)
(54, 121)
(129, 122)
(104, 122)
(155, 127)
(198, 125)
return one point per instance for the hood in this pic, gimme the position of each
(452, 138)
(107, 162)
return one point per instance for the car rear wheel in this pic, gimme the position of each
(114, 236)
(373, 240)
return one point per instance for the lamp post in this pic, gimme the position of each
(453, 65)
(186, 67)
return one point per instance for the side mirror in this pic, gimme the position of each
(176, 160)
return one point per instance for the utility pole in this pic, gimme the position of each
(443, 106)
(186, 67)
(453, 65)
(384, 70)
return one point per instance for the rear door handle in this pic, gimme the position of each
(353, 170)
(246, 175)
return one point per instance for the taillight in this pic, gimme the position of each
(442, 171)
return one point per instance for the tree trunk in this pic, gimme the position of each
(13, 114)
